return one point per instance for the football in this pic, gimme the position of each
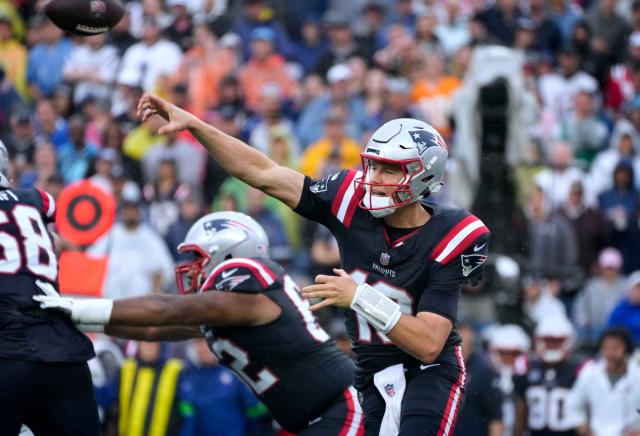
(85, 17)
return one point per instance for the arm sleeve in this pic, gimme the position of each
(449, 273)
(331, 200)
(48, 206)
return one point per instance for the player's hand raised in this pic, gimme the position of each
(335, 290)
(177, 119)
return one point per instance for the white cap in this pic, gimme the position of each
(339, 72)
(230, 40)
(130, 77)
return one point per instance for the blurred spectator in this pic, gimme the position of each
(45, 165)
(270, 116)
(50, 125)
(541, 298)
(607, 392)
(279, 247)
(181, 28)
(556, 181)
(433, 92)
(189, 159)
(10, 101)
(580, 40)
(75, 158)
(397, 101)
(501, 20)
(627, 313)
(139, 262)
(143, 393)
(589, 226)
(103, 168)
(481, 414)
(153, 58)
(202, 69)
(453, 30)
(624, 144)
(120, 36)
(332, 152)
(548, 37)
(213, 401)
(609, 30)
(565, 14)
(620, 208)
(190, 210)
(282, 147)
(558, 90)
(357, 121)
(46, 60)
(620, 86)
(264, 66)
(425, 36)
(20, 141)
(311, 46)
(594, 302)
(369, 27)
(162, 193)
(403, 48)
(342, 44)
(583, 129)
(13, 57)
(143, 138)
(257, 14)
(91, 68)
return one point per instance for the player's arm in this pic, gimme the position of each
(237, 158)
(206, 308)
(151, 334)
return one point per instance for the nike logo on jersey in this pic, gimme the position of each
(226, 274)
(423, 367)
(477, 247)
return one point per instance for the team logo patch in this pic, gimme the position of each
(320, 185)
(385, 258)
(230, 283)
(425, 139)
(221, 224)
(471, 261)
(390, 389)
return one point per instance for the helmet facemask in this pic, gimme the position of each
(404, 191)
(553, 349)
(190, 276)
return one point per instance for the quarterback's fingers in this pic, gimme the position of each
(340, 272)
(322, 294)
(321, 278)
(316, 288)
(323, 303)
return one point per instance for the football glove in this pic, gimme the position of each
(93, 311)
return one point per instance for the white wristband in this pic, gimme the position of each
(91, 311)
(379, 310)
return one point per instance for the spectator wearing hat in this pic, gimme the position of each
(257, 14)
(21, 139)
(91, 68)
(264, 66)
(332, 152)
(202, 69)
(13, 57)
(139, 262)
(46, 60)
(340, 93)
(342, 44)
(104, 167)
(627, 313)
(601, 293)
(154, 58)
(180, 30)
(397, 101)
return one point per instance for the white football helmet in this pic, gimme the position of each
(4, 166)
(554, 337)
(420, 151)
(507, 344)
(215, 238)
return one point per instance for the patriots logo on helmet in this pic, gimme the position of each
(230, 283)
(390, 390)
(425, 139)
(218, 225)
(471, 261)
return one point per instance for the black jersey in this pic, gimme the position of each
(545, 389)
(293, 366)
(26, 255)
(422, 271)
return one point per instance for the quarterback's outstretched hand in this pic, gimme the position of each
(177, 119)
(336, 290)
(82, 311)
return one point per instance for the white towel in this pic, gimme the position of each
(391, 384)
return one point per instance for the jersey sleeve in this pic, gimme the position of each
(458, 258)
(330, 200)
(48, 205)
(241, 275)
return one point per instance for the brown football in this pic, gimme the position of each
(85, 17)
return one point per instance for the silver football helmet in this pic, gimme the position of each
(421, 153)
(4, 166)
(215, 238)
(554, 337)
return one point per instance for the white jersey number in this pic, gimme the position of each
(35, 242)
(547, 408)
(261, 382)
(399, 295)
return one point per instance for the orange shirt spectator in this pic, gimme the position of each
(263, 67)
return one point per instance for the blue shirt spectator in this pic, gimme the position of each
(627, 313)
(46, 60)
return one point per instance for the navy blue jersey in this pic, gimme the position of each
(423, 270)
(291, 363)
(545, 390)
(27, 254)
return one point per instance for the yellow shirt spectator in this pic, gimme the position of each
(13, 57)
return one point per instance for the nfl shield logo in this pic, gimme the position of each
(384, 258)
(390, 390)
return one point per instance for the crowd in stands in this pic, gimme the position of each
(538, 101)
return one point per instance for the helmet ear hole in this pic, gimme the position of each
(228, 256)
